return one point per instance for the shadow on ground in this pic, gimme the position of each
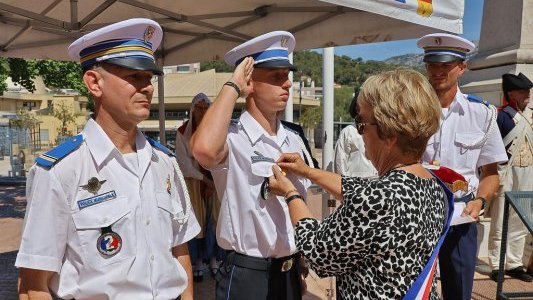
(12, 202)
(8, 275)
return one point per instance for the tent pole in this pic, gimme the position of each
(289, 108)
(161, 103)
(74, 14)
(327, 116)
(328, 205)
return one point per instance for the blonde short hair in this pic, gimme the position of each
(404, 106)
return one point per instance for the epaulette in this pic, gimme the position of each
(477, 99)
(290, 129)
(160, 147)
(49, 159)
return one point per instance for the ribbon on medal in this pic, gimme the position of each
(109, 242)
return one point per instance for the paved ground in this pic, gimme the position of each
(12, 208)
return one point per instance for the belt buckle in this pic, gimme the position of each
(287, 265)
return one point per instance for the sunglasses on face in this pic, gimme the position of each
(360, 126)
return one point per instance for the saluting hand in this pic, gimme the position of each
(242, 76)
(293, 163)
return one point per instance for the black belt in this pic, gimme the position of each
(466, 198)
(281, 264)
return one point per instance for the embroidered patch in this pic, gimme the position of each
(96, 199)
(260, 157)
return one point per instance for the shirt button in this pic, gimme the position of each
(148, 222)
(156, 293)
(152, 257)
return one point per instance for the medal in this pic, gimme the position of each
(109, 243)
(265, 192)
(93, 185)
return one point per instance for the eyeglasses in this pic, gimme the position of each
(360, 126)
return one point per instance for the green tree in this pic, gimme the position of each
(4, 73)
(55, 74)
(220, 66)
(66, 116)
(342, 98)
(27, 121)
(23, 72)
(311, 117)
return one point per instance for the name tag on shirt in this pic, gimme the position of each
(97, 199)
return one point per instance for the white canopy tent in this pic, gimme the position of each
(205, 30)
(196, 31)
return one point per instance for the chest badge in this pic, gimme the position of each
(93, 185)
(169, 185)
(109, 243)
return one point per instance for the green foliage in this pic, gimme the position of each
(342, 98)
(23, 72)
(63, 114)
(55, 74)
(24, 120)
(311, 117)
(309, 64)
(348, 71)
(220, 66)
(61, 75)
(4, 71)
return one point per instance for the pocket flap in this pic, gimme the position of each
(467, 138)
(164, 202)
(101, 215)
(262, 168)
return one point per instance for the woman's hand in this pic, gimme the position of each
(293, 163)
(242, 75)
(278, 183)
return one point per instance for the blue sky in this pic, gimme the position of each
(381, 51)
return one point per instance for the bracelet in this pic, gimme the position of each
(235, 86)
(288, 192)
(296, 196)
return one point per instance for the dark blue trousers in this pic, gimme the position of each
(457, 260)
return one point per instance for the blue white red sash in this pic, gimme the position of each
(421, 288)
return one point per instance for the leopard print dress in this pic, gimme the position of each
(379, 240)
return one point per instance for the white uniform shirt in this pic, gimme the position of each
(462, 124)
(58, 236)
(350, 159)
(248, 224)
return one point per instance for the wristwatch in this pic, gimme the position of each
(483, 204)
(483, 201)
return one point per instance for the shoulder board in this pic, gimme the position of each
(49, 159)
(477, 99)
(290, 129)
(160, 147)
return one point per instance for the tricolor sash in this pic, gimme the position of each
(421, 288)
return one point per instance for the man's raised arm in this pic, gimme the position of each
(208, 143)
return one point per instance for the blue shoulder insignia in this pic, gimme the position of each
(160, 147)
(49, 159)
(477, 99)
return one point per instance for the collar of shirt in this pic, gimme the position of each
(254, 130)
(101, 146)
(457, 105)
